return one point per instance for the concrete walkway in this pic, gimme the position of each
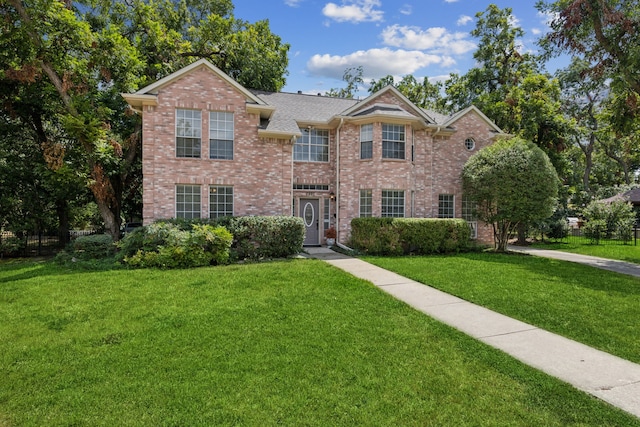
(607, 377)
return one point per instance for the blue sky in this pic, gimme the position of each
(426, 38)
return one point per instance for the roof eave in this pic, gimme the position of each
(138, 101)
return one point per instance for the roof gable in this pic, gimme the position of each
(472, 109)
(153, 88)
(371, 104)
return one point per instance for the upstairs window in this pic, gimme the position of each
(393, 141)
(188, 133)
(220, 135)
(312, 146)
(366, 141)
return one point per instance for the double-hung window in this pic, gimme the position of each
(366, 203)
(393, 141)
(393, 203)
(312, 146)
(220, 201)
(188, 133)
(220, 135)
(187, 201)
(446, 206)
(366, 141)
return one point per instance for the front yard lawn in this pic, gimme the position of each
(595, 307)
(287, 343)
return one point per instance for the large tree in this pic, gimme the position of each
(512, 182)
(509, 86)
(84, 54)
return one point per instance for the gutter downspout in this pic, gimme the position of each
(338, 180)
(292, 211)
(433, 176)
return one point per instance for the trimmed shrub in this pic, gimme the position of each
(96, 246)
(264, 237)
(397, 236)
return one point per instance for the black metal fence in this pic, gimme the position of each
(36, 244)
(578, 236)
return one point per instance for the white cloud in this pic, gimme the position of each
(354, 11)
(450, 1)
(293, 3)
(463, 20)
(376, 63)
(513, 21)
(436, 39)
(406, 9)
(536, 31)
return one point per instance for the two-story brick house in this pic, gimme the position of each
(213, 148)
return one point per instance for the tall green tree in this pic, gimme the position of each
(582, 103)
(508, 85)
(84, 54)
(605, 35)
(512, 182)
(353, 78)
(421, 92)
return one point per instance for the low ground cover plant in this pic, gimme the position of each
(166, 245)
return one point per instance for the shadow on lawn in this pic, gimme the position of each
(20, 269)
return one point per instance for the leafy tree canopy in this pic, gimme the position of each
(512, 182)
(74, 58)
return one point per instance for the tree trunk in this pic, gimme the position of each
(62, 210)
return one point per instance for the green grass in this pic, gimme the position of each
(287, 343)
(628, 252)
(596, 307)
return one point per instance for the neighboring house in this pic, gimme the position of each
(214, 148)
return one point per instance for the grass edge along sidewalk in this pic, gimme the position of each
(295, 342)
(608, 377)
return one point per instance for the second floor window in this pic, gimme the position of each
(312, 146)
(188, 133)
(393, 141)
(366, 141)
(220, 135)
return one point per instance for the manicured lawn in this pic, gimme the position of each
(628, 252)
(291, 343)
(596, 307)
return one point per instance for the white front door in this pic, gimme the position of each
(310, 213)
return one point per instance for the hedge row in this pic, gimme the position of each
(403, 236)
(251, 237)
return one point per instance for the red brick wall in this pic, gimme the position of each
(260, 172)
